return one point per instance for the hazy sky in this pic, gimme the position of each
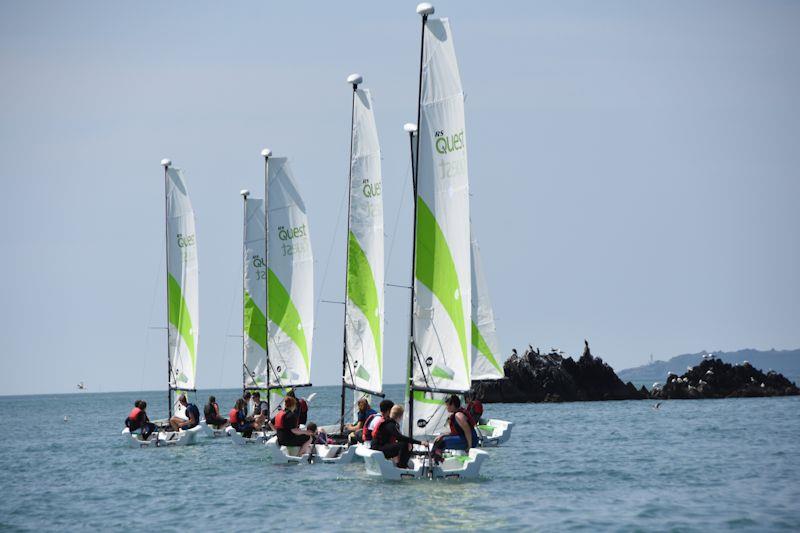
(633, 167)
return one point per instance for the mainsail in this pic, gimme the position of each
(255, 296)
(485, 348)
(182, 289)
(364, 306)
(290, 279)
(441, 333)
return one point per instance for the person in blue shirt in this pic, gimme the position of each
(192, 415)
(364, 412)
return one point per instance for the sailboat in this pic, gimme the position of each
(254, 305)
(289, 277)
(485, 348)
(362, 353)
(439, 357)
(182, 307)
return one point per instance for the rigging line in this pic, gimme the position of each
(397, 216)
(330, 253)
(228, 328)
(152, 306)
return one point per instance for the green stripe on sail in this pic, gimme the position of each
(255, 323)
(283, 313)
(179, 315)
(362, 291)
(480, 343)
(436, 269)
(419, 396)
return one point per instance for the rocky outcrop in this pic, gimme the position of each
(552, 377)
(713, 378)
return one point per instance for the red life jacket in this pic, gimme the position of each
(475, 409)
(134, 414)
(280, 423)
(233, 415)
(455, 429)
(376, 435)
(366, 434)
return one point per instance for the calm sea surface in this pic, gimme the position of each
(622, 466)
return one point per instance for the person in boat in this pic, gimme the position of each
(260, 410)
(192, 415)
(462, 434)
(302, 407)
(364, 412)
(211, 412)
(474, 408)
(373, 420)
(286, 424)
(387, 438)
(137, 419)
(248, 405)
(320, 436)
(238, 419)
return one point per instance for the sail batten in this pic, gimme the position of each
(182, 283)
(289, 280)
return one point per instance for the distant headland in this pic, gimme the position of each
(556, 377)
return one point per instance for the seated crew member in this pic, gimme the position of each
(302, 407)
(260, 410)
(211, 412)
(286, 424)
(137, 419)
(373, 420)
(462, 434)
(238, 419)
(364, 412)
(474, 408)
(320, 436)
(387, 438)
(192, 415)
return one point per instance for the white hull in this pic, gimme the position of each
(465, 466)
(500, 432)
(213, 432)
(257, 437)
(283, 455)
(161, 438)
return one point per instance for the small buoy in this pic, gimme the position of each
(762, 385)
(66, 418)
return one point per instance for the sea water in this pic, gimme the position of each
(689, 465)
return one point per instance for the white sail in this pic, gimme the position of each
(182, 288)
(290, 279)
(364, 306)
(442, 332)
(255, 295)
(485, 348)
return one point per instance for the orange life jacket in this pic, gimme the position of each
(279, 420)
(233, 415)
(455, 429)
(366, 434)
(376, 433)
(134, 414)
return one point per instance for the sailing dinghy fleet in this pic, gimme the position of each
(452, 336)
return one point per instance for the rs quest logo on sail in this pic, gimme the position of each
(450, 167)
(295, 241)
(186, 245)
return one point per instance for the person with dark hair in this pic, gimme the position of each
(462, 434)
(137, 420)
(238, 419)
(286, 424)
(372, 421)
(211, 412)
(192, 415)
(260, 410)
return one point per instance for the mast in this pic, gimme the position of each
(166, 164)
(354, 80)
(245, 193)
(424, 9)
(265, 153)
